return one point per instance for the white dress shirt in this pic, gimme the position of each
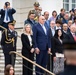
(5, 17)
(30, 39)
(44, 28)
(53, 31)
(58, 27)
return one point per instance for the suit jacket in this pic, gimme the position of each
(70, 36)
(60, 16)
(10, 14)
(51, 35)
(64, 21)
(42, 41)
(57, 46)
(26, 44)
(51, 40)
(30, 22)
(6, 43)
(65, 35)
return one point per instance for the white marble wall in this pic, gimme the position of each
(22, 7)
(50, 5)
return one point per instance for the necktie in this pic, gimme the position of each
(74, 37)
(7, 14)
(44, 29)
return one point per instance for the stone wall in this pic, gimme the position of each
(22, 8)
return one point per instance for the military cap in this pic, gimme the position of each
(12, 22)
(69, 44)
(36, 4)
(69, 50)
(31, 12)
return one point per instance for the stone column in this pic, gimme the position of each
(22, 8)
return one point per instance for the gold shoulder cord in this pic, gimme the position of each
(10, 41)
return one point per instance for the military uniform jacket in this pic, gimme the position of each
(8, 41)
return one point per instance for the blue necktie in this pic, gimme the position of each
(7, 14)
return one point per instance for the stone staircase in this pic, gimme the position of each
(18, 62)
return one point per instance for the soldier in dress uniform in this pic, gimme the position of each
(37, 10)
(70, 57)
(8, 43)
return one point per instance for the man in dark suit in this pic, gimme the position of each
(65, 31)
(7, 14)
(41, 43)
(50, 57)
(8, 43)
(46, 15)
(72, 33)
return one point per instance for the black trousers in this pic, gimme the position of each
(50, 64)
(9, 59)
(27, 66)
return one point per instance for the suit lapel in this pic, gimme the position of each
(51, 33)
(40, 27)
(71, 36)
(27, 39)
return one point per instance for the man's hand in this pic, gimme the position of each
(32, 50)
(37, 50)
(4, 7)
(49, 50)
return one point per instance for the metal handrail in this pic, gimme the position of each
(13, 52)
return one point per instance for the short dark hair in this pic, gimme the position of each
(7, 3)
(55, 12)
(45, 12)
(62, 9)
(69, 44)
(58, 21)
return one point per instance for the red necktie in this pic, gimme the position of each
(74, 37)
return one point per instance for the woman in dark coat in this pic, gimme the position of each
(58, 51)
(27, 49)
